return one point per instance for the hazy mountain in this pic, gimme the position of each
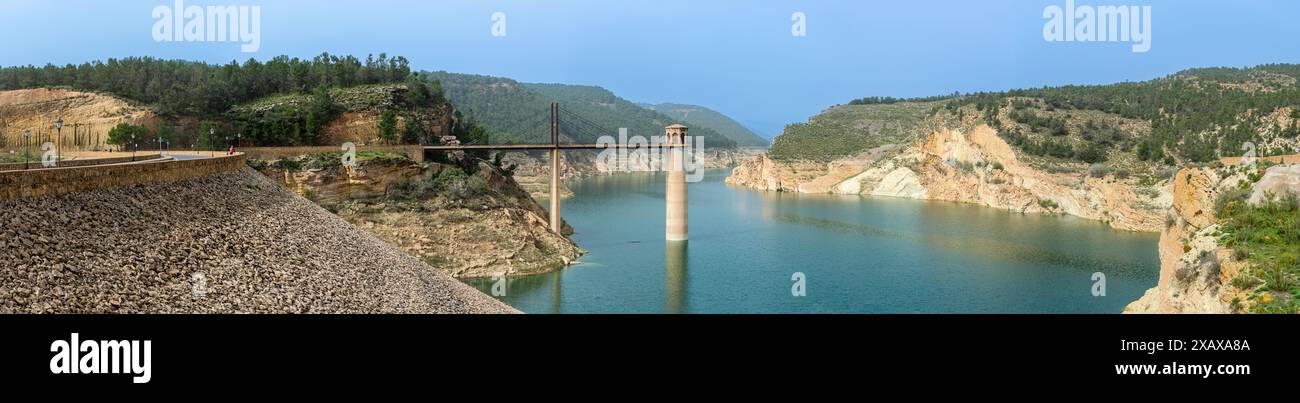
(518, 112)
(699, 116)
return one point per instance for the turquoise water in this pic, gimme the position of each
(857, 255)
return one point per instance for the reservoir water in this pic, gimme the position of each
(856, 255)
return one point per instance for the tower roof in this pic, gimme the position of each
(676, 126)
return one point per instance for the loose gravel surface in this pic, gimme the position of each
(226, 243)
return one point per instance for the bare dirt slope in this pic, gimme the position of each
(82, 112)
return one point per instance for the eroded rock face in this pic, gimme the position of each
(762, 173)
(974, 166)
(1278, 181)
(1194, 191)
(506, 233)
(84, 113)
(1196, 272)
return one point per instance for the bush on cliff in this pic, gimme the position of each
(450, 183)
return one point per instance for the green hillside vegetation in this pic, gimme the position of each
(237, 98)
(609, 112)
(846, 130)
(1266, 235)
(1193, 116)
(514, 112)
(198, 89)
(297, 119)
(699, 116)
(510, 113)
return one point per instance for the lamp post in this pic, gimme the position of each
(58, 140)
(27, 149)
(132, 147)
(212, 132)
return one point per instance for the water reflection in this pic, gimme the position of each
(676, 277)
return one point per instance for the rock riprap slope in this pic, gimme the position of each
(226, 243)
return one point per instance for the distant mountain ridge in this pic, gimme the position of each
(696, 115)
(516, 112)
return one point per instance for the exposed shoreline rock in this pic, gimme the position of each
(504, 233)
(974, 166)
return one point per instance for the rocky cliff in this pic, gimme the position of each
(470, 225)
(87, 117)
(968, 165)
(1200, 271)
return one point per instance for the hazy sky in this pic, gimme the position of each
(738, 57)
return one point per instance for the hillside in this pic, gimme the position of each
(1193, 116)
(510, 112)
(339, 115)
(468, 219)
(515, 112)
(699, 116)
(846, 130)
(88, 118)
(283, 101)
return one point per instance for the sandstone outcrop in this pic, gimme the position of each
(502, 233)
(974, 166)
(1196, 271)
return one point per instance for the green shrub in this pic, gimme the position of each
(289, 164)
(1099, 170)
(1230, 198)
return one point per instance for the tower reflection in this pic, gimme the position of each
(675, 276)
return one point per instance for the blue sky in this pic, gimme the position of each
(736, 56)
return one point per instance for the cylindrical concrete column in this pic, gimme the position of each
(675, 194)
(555, 192)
